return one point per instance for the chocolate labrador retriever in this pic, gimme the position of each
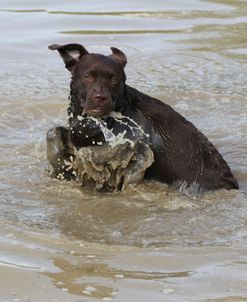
(183, 156)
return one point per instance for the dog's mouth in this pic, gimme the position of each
(97, 112)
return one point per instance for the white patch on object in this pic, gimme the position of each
(119, 116)
(75, 54)
(189, 189)
(60, 176)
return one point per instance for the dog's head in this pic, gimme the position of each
(97, 83)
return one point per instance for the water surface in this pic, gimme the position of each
(62, 243)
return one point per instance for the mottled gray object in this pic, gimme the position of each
(116, 163)
(110, 165)
(112, 168)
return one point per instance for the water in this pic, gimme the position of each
(62, 243)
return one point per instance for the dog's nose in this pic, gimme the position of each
(99, 97)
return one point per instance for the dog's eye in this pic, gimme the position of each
(114, 80)
(87, 77)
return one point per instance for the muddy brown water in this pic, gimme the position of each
(59, 242)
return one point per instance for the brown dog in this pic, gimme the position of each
(183, 156)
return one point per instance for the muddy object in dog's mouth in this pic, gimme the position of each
(115, 162)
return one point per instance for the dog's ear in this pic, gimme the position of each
(70, 53)
(119, 56)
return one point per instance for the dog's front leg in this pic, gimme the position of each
(60, 152)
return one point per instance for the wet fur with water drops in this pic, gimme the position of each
(183, 156)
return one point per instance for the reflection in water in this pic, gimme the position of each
(71, 275)
(148, 242)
